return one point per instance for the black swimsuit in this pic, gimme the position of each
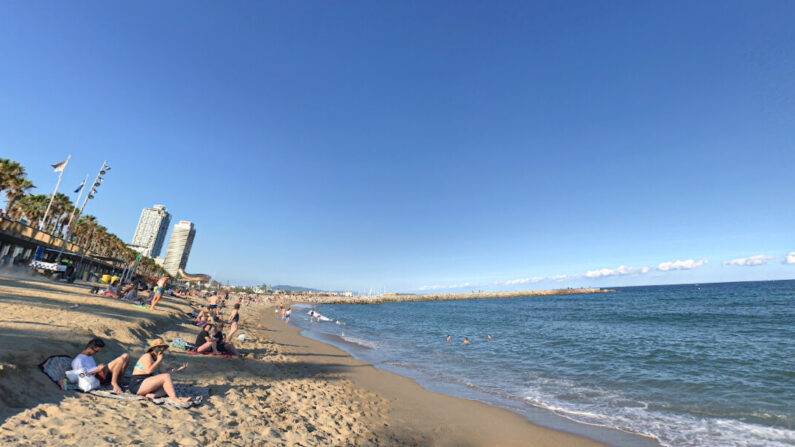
(136, 380)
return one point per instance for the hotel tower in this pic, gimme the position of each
(179, 247)
(151, 231)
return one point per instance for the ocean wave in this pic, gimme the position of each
(369, 344)
(675, 429)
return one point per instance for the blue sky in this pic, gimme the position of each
(422, 145)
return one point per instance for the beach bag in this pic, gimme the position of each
(87, 382)
(55, 367)
(72, 376)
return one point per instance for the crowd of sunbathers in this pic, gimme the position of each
(130, 292)
(149, 378)
(138, 293)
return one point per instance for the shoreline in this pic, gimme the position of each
(542, 418)
(289, 389)
(431, 418)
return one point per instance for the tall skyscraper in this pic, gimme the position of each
(151, 231)
(179, 247)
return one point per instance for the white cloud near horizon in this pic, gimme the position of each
(512, 282)
(621, 270)
(749, 261)
(680, 265)
(451, 286)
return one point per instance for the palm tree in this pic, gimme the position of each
(9, 170)
(33, 206)
(61, 206)
(15, 188)
(84, 228)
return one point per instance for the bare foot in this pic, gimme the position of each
(116, 388)
(151, 396)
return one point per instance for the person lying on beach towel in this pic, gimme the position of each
(148, 381)
(109, 373)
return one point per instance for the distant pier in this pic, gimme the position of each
(402, 297)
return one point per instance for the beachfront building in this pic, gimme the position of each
(150, 234)
(179, 247)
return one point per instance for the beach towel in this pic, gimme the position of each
(182, 345)
(55, 367)
(107, 392)
(195, 393)
(209, 353)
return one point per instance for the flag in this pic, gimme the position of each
(59, 167)
(80, 187)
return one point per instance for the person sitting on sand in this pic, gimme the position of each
(221, 343)
(109, 373)
(233, 320)
(205, 341)
(129, 293)
(113, 290)
(203, 317)
(147, 380)
(161, 286)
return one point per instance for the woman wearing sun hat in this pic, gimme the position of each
(147, 382)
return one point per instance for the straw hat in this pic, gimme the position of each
(156, 343)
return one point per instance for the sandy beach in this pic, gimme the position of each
(287, 390)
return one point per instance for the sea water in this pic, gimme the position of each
(689, 365)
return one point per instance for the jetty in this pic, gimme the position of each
(411, 297)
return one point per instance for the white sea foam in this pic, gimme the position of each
(669, 429)
(360, 341)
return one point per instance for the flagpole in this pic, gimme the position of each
(71, 217)
(52, 197)
(82, 187)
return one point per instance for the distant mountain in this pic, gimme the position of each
(294, 289)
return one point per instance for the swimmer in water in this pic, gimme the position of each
(466, 340)
(448, 338)
(489, 337)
